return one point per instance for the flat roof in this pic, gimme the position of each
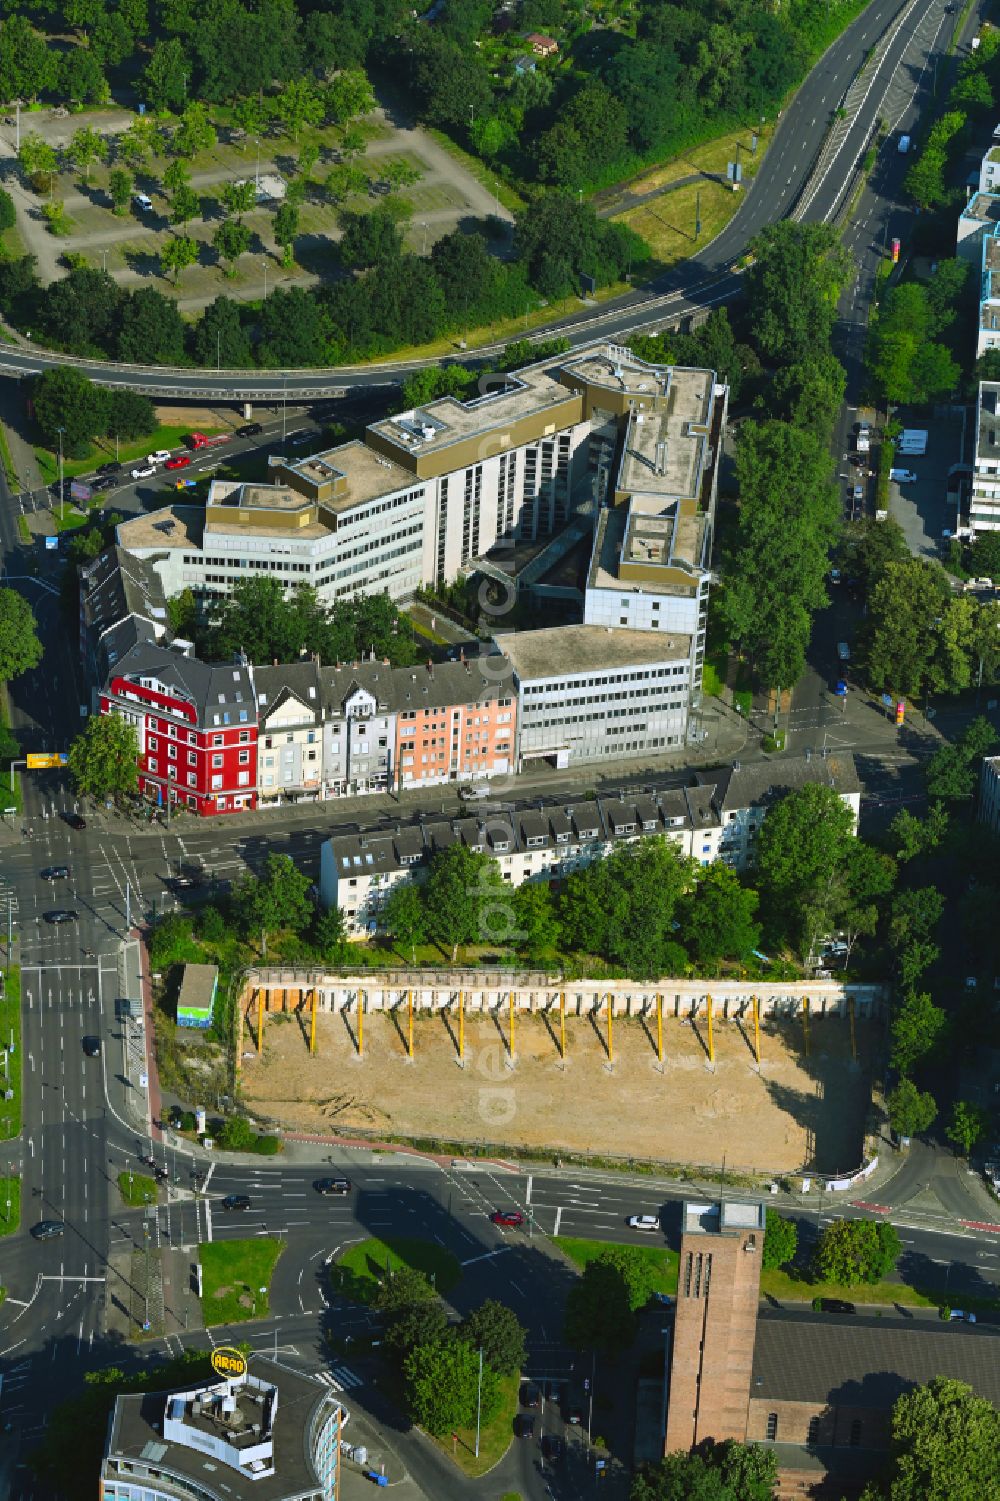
(982, 206)
(988, 420)
(369, 475)
(719, 1216)
(569, 649)
(633, 536)
(437, 424)
(618, 368)
(136, 1437)
(665, 450)
(198, 985)
(170, 526)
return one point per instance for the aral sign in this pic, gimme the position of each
(228, 1362)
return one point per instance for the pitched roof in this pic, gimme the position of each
(868, 1362)
(213, 688)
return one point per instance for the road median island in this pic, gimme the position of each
(236, 1278)
(359, 1273)
(137, 1189)
(10, 1205)
(10, 1053)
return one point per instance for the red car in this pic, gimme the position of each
(180, 461)
(512, 1217)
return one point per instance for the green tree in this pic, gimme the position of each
(104, 758)
(239, 197)
(911, 1112)
(985, 553)
(850, 1252)
(713, 1472)
(286, 227)
(343, 180)
(139, 142)
(442, 1382)
(495, 1329)
(86, 148)
(231, 240)
(599, 1311)
(777, 566)
(917, 1030)
(781, 1240)
(370, 239)
(297, 105)
(165, 78)
(622, 907)
(20, 648)
(120, 185)
(536, 919)
(462, 887)
(422, 1323)
(404, 917)
(402, 1287)
(195, 133)
(422, 386)
(185, 205)
(280, 899)
(718, 920)
(81, 77)
(177, 175)
(329, 934)
(945, 1441)
(953, 771)
(805, 842)
(27, 63)
(915, 914)
(220, 339)
(967, 1125)
(348, 96)
(37, 157)
(869, 876)
(179, 252)
(151, 329)
(63, 398)
(903, 636)
(792, 289)
(913, 836)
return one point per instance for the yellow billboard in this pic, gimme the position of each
(228, 1362)
(40, 762)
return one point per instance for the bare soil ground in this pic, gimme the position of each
(794, 1111)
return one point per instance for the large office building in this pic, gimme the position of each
(270, 1434)
(435, 488)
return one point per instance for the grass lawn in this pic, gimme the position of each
(713, 157)
(137, 1189)
(495, 1437)
(104, 450)
(660, 1258)
(67, 518)
(667, 224)
(233, 1273)
(10, 1028)
(10, 1219)
(24, 530)
(786, 1285)
(359, 1271)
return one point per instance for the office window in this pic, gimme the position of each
(216, 783)
(192, 759)
(772, 1426)
(812, 1437)
(856, 1433)
(216, 760)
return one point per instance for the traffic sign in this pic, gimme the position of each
(40, 762)
(52, 544)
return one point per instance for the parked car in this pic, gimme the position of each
(648, 1222)
(180, 461)
(142, 201)
(512, 1217)
(60, 915)
(143, 471)
(249, 430)
(54, 873)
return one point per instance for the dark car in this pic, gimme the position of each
(553, 1448)
(249, 430)
(48, 1229)
(236, 1201)
(512, 1217)
(112, 467)
(106, 482)
(75, 821)
(524, 1426)
(530, 1395)
(836, 1305)
(55, 873)
(574, 1413)
(61, 914)
(330, 1187)
(181, 883)
(92, 1047)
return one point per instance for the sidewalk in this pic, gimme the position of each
(142, 1091)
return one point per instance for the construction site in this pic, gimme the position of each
(661, 1078)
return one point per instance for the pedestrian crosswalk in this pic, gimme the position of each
(341, 1378)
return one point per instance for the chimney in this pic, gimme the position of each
(430, 666)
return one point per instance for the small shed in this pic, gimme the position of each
(197, 995)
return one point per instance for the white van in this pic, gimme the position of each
(903, 476)
(142, 201)
(904, 145)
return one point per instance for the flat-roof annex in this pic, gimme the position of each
(572, 649)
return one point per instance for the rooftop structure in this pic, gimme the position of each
(978, 217)
(584, 648)
(271, 1435)
(197, 995)
(172, 526)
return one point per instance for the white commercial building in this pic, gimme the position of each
(587, 693)
(708, 815)
(984, 503)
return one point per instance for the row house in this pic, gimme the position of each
(196, 727)
(709, 816)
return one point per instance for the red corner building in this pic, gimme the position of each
(196, 724)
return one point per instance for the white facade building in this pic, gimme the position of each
(984, 503)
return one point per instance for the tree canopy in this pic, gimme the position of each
(104, 758)
(20, 648)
